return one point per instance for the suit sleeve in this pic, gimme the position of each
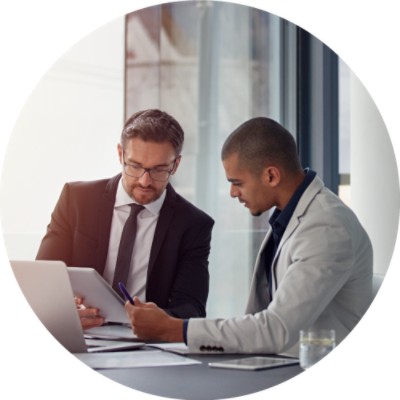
(190, 289)
(57, 242)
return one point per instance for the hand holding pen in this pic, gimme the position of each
(135, 302)
(150, 322)
(127, 296)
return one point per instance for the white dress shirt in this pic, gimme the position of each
(146, 225)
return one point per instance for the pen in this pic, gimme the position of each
(125, 293)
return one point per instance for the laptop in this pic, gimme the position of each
(47, 288)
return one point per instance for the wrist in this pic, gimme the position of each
(174, 331)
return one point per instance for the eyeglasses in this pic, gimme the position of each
(160, 174)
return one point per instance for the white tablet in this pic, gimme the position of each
(89, 284)
(255, 363)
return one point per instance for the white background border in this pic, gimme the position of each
(34, 34)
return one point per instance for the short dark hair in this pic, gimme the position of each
(261, 141)
(154, 126)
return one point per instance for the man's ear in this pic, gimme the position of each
(271, 176)
(177, 161)
(120, 152)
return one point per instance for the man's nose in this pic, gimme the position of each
(145, 180)
(234, 191)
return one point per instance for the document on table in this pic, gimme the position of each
(111, 332)
(178, 348)
(132, 359)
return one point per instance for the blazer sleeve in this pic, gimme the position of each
(57, 242)
(190, 289)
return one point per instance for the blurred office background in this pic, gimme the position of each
(212, 65)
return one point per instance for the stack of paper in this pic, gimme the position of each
(131, 359)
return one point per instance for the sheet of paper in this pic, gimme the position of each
(132, 359)
(110, 332)
(178, 348)
(98, 345)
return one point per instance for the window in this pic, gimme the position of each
(344, 133)
(213, 65)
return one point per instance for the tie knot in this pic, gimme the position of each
(135, 208)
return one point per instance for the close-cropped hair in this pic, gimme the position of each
(260, 142)
(153, 126)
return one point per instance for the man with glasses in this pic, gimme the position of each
(169, 261)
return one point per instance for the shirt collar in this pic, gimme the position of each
(280, 218)
(122, 199)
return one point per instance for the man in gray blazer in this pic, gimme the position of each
(314, 267)
(169, 261)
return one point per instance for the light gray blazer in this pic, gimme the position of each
(322, 277)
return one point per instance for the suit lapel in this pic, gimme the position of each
(163, 224)
(105, 214)
(258, 298)
(314, 188)
(308, 196)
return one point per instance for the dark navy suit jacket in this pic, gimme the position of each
(177, 277)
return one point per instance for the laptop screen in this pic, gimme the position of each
(47, 289)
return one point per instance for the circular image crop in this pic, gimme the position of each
(212, 283)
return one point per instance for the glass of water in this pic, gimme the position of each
(315, 345)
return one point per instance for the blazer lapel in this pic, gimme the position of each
(105, 214)
(308, 196)
(258, 295)
(315, 187)
(163, 223)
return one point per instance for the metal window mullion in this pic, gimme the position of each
(317, 108)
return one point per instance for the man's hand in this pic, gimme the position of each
(150, 322)
(90, 316)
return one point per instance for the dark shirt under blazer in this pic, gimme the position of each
(177, 277)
